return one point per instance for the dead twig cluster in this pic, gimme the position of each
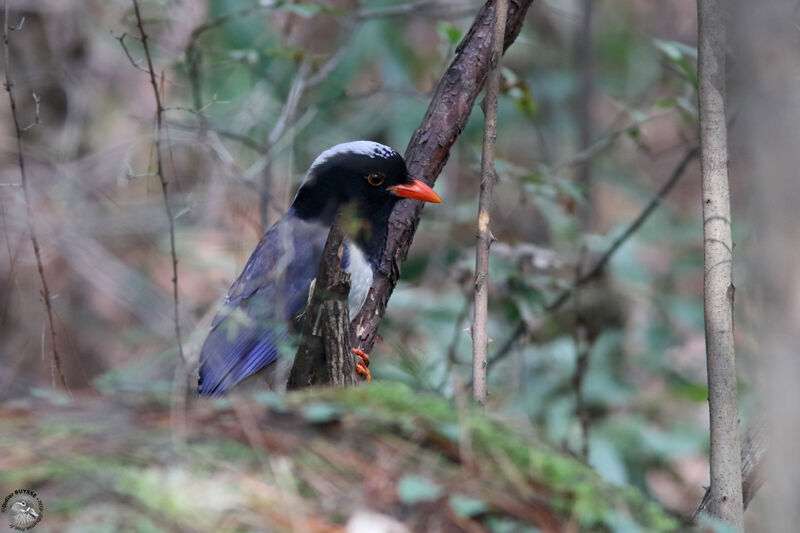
(160, 170)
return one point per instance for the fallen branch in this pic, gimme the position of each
(160, 172)
(26, 195)
(324, 355)
(480, 335)
(428, 151)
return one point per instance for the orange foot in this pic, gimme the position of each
(361, 366)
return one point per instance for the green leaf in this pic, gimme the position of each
(414, 489)
(321, 412)
(466, 506)
(677, 53)
(668, 48)
(450, 33)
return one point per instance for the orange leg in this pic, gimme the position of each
(361, 366)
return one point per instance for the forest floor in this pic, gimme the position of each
(370, 458)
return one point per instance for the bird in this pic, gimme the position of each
(251, 336)
(22, 514)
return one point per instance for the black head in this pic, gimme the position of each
(361, 178)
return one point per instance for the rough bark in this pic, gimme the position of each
(429, 149)
(324, 357)
(480, 335)
(726, 479)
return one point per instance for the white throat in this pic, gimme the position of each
(360, 279)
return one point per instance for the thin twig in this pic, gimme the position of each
(584, 61)
(245, 140)
(594, 149)
(292, 100)
(603, 260)
(26, 195)
(124, 46)
(582, 351)
(160, 171)
(480, 336)
(301, 83)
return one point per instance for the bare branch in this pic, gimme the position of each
(428, 151)
(301, 82)
(160, 172)
(726, 475)
(506, 348)
(124, 46)
(26, 194)
(290, 105)
(580, 339)
(480, 336)
(245, 140)
(597, 147)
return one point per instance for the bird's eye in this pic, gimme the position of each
(375, 179)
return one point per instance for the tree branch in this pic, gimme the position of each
(26, 195)
(324, 355)
(428, 151)
(160, 172)
(718, 293)
(602, 261)
(480, 336)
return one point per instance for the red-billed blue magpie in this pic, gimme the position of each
(253, 332)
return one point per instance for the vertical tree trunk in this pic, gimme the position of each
(726, 479)
(480, 337)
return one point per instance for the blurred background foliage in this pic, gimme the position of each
(589, 130)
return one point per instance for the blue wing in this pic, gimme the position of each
(259, 315)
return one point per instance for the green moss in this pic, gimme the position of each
(575, 489)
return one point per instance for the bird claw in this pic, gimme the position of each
(363, 363)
